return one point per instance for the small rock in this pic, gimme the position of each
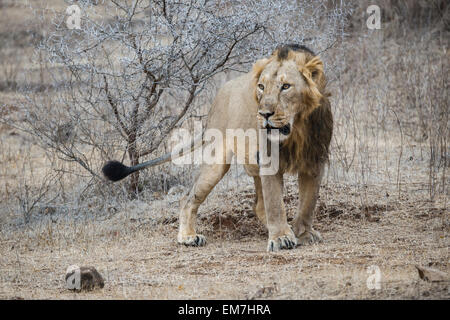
(432, 275)
(83, 278)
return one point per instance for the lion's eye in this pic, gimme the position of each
(285, 86)
(261, 87)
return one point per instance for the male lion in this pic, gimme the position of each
(287, 92)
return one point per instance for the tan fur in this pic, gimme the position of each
(305, 106)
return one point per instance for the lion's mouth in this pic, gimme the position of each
(284, 130)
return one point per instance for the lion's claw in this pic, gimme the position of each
(309, 237)
(193, 241)
(280, 243)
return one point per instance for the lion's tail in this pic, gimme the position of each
(115, 170)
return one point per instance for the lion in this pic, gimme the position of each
(286, 91)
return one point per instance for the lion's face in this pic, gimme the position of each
(285, 90)
(279, 93)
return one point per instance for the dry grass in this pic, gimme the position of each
(134, 248)
(136, 253)
(376, 207)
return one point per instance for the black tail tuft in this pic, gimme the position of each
(115, 171)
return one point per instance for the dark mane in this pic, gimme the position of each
(308, 145)
(283, 50)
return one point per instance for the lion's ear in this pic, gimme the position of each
(314, 68)
(312, 71)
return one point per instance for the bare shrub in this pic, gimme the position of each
(424, 89)
(30, 198)
(135, 69)
(393, 97)
(10, 68)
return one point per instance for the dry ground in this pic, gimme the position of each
(143, 262)
(135, 249)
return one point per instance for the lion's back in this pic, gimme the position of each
(234, 106)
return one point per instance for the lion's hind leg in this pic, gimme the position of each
(209, 176)
(302, 224)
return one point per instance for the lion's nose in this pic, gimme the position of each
(266, 114)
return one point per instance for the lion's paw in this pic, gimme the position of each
(192, 241)
(309, 237)
(283, 242)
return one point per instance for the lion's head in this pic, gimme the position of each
(288, 87)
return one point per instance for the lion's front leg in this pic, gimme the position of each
(302, 224)
(280, 233)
